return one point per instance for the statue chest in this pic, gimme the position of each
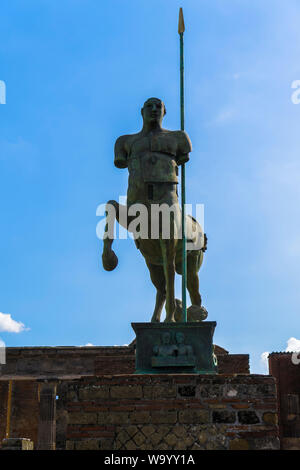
(153, 159)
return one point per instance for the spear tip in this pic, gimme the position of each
(181, 27)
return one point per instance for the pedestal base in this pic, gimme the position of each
(175, 348)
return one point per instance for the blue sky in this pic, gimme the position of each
(77, 73)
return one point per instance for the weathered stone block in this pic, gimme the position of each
(159, 391)
(131, 430)
(139, 439)
(93, 393)
(265, 443)
(126, 391)
(193, 416)
(248, 417)
(119, 417)
(171, 439)
(238, 444)
(187, 390)
(140, 417)
(180, 431)
(270, 418)
(17, 444)
(202, 437)
(87, 444)
(70, 445)
(106, 444)
(148, 430)
(224, 416)
(164, 417)
(83, 418)
(213, 391)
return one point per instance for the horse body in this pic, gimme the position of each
(163, 256)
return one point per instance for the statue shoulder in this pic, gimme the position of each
(184, 142)
(122, 146)
(124, 141)
(182, 139)
(183, 146)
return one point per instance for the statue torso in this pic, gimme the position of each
(152, 157)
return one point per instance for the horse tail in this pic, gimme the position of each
(109, 257)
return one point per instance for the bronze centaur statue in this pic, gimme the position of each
(152, 157)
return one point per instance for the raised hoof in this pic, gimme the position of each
(196, 313)
(109, 260)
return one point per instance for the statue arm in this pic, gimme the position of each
(184, 147)
(120, 160)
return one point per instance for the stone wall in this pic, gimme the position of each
(165, 412)
(59, 362)
(287, 375)
(24, 409)
(25, 366)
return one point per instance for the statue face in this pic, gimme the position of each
(153, 111)
(179, 338)
(166, 338)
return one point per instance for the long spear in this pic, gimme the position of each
(181, 29)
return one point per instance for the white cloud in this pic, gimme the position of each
(293, 345)
(264, 360)
(10, 325)
(264, 357)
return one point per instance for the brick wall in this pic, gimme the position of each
(171, 412)
(24, 409)
(125, 364)
(287, 375)
(60, 361)
(71, 361)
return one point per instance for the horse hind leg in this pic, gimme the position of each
(195, 312)
(193, 280)
(168, 254)
(158, 279)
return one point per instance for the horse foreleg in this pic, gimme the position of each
(168, 254)
(114, 211)
(109, 258)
